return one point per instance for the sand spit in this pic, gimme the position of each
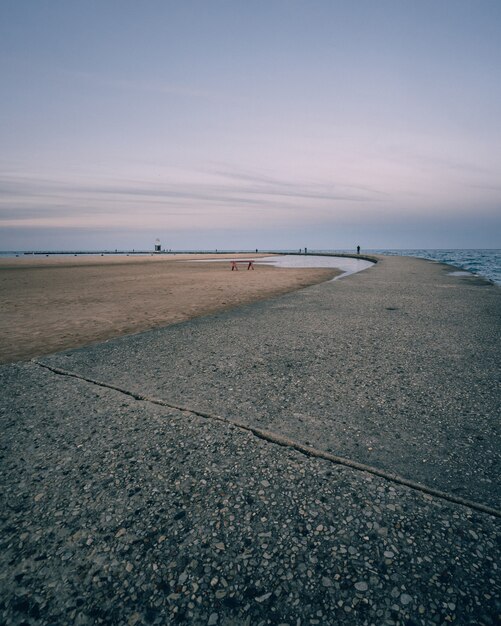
(55, 303)
(119, 508)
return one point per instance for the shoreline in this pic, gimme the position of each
(389, 341)
(214, 471)
(59, 303)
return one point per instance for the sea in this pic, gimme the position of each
(482, 262)
(486, 263)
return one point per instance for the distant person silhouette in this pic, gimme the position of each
(358, 249)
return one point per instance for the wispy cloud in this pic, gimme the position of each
(300, 190)
(34, 197)
(335, 189)
(433, 160)
(210, 199)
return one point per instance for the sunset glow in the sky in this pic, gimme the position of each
(236, 124)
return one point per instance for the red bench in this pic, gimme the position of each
(234, 264)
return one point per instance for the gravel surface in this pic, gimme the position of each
(397, 367)
(118, 511)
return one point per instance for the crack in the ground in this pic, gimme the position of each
(278, 439)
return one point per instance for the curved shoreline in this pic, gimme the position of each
(308, 458)
(396, 341)
(53, 304)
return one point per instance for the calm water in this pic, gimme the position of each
(485, 263)
(346, 265)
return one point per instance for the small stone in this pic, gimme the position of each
(129, 567)
(326, 582)
(120, 533)
(134, 619)
(263, 597)
(220, 545)
(213, 619)
(388, 554)
(38, 497)
(405, 599)
(361, 586)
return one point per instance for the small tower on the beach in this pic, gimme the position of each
(158, 247)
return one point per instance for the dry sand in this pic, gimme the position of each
(56, 303)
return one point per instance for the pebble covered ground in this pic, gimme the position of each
(116, 510)
(396, 367)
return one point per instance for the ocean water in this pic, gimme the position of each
(486, 263)
(481, 262)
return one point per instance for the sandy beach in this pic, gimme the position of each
(54, 303)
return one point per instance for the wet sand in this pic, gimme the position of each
(55, 303)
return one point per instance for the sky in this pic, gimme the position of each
(269, 124)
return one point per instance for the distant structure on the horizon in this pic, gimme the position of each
(158, 246)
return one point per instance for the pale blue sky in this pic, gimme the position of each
(244, 124)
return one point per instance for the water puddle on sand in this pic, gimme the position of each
(460, 273)
(346, 264)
